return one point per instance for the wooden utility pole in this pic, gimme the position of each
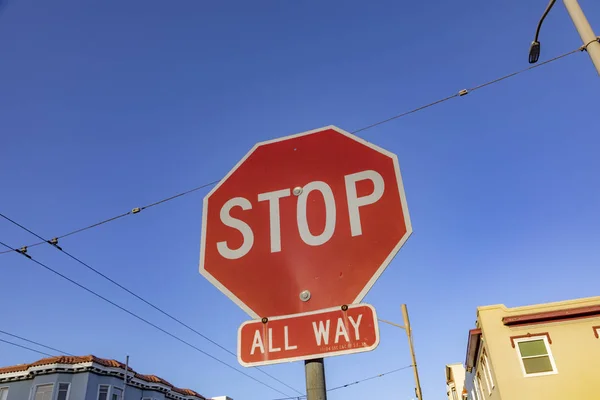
(412, 351)
(411, 347)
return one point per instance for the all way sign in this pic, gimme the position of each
(330, 332)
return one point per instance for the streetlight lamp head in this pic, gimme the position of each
(534, 52)
(534, 49)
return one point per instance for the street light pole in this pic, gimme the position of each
(589, 38)
(411, 347)
(591, 43)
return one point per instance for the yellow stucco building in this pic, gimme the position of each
(547, 351)
(455, 380)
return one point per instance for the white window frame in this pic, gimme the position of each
(7, 389)
(112, 388)
(547, 344)
(487, 372)
(478, 388)
(35, 388)
(486, 360)
(485, 377)
(473, 396)
(454, 393)
(58, 389)
(107, 392)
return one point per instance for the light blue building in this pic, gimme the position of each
(85, 378)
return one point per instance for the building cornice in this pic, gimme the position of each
(472, 348)
(91, 364)
(552, 316)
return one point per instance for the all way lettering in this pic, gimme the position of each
(304, 336)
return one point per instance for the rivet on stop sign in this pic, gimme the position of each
(297, 191)
(305, 295)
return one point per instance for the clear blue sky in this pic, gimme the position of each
(106, 106)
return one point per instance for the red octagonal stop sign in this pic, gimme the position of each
(303, 223)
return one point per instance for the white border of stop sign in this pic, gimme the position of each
(308, 238)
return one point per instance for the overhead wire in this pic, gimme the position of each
(352, 383)
(36, 343)
(25, 347)
(147, 302)
(368, 379)
(142, 319)
(461, 93)
(464, 92)
(133, 211)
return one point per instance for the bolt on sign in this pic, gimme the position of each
(335, 331)
(304, 223)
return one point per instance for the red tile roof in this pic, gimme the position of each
(72, 360)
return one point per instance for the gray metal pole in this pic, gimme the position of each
(412, 351)
(125, 376)
(588, 36)
(315, 379)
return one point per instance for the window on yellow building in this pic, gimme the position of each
(487, 372)
(478, 387)
(454, 394)
(535, 355)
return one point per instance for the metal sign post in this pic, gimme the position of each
(315, 379)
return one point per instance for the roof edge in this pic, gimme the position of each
(95, 362)
(552, 316)
(472, 348)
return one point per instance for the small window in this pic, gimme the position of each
(63, 391)
(454, 394)
(3, 393)
(43, 392)
(478, 387)
(103, 392)
(535, 356)
(117, 394)
(487, 373)
(486, 378)
(486, 365)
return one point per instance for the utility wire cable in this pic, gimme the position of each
(353, 383)
(464, 92)
(135, 210)
(36, 343)
(170, 316)
(25, 347)
(144, 320)
(369, 378)
(404, 114)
